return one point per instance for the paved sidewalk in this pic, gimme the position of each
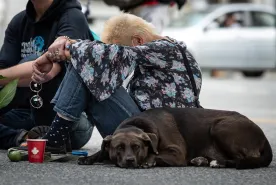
(70, 173)
(254, 98)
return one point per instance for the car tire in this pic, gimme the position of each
(253, 73)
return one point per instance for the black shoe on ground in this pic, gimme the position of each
(39, 132)
(66, 148)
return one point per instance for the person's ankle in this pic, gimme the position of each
(59, 134)
(64, 117)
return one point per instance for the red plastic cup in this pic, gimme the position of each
(36, 149)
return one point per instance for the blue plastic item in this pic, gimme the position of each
(80, 153)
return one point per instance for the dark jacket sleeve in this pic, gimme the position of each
(11, 48)
(74, 25)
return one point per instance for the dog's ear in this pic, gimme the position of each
(103, 154)
(106, 143)
(152, 139)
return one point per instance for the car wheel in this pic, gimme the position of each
(253, 73)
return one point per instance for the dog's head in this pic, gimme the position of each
(129, 147)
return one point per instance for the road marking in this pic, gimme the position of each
(264, 120)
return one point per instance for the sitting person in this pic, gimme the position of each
(231, 21)
(28, 36)
(94, 80)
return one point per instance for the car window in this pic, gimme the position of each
(229, 20)
(262, 19)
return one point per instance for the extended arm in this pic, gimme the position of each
(10, 57)
(24, 72)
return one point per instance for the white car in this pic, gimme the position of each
(233, 36)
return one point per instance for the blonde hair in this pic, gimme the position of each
(122, 27)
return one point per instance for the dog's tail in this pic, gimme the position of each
(254, 162)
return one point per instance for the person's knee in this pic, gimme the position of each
(72, 97)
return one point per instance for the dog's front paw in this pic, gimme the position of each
(149, 162)
(199, 161)
(86, 160)
(216, 164)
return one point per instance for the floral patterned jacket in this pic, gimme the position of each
(160, 78)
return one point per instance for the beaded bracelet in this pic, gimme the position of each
(67, 47)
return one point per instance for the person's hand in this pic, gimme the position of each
(41, 67)
(67, 53)
(57, 49)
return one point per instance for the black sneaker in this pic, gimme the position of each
(34, 133)
(64, 149)
(39, 132)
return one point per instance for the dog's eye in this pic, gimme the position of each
(135, 147)
(120, 147)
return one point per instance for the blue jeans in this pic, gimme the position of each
(73, 97)
(8, 137)
(18, 119)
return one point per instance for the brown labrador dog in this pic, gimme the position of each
(185, 136)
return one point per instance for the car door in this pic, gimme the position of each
(220, 46)
(261, 35)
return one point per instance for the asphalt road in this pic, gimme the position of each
(253, 97)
